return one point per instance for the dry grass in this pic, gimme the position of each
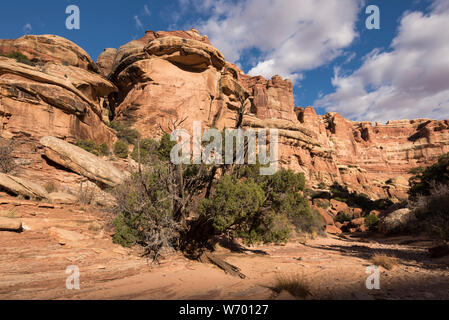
(382, 260)
(50, 187)
(7, 164)
(86, 195)
(293, 283)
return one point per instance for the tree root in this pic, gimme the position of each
(226, 267)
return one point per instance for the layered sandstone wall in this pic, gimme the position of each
(166, 77)
(179, 75)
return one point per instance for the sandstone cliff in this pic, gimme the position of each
(178, 75)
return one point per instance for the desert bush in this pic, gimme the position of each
(88, 145)
(322, 186)
(121, 149)
(124, 131)
(432, 212)
(186, 206)
(343, 217)
(92, 147)
(424, 179)
(86, 194)
(104, 149)
(50, 187)
(145, 213)
(148, 147)
(384, 261)
(371, 221)
(7, 164)
(19, 57)
(293, 283)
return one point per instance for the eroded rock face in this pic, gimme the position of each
(49, 48)
(53, 98)
(375, 158)
(22, 187)
(105, 61)
(167, 77)
(176, 75)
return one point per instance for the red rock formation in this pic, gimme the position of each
(174, 75)
(59, 95)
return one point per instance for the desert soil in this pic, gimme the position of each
(33, 264)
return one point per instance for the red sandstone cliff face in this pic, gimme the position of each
(60, 94)
(178, 75)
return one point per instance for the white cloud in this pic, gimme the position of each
(144, 13)
(292, 35)
(138, 23)
(410, 80)
(27, 28)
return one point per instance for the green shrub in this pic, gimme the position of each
(121, 149)
(186, 206)
(371, 221)
(237, 203)
(165, 147)
(92, 147)
(322, 186)
(19, 57)
(89, 146)
(148, 147)
(125, 132)
(104, 149)
(343, 217)
(126, 231)
(425, 179)
(145, 213)
(234, 204)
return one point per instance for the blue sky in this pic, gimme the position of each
(323, 45)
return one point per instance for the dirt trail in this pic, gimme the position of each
(33, 264)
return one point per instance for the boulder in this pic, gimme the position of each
(8, 224)
(23, 187)
(338, 206)
(396, 221)
(356, 212)
(49, 48)
(105, 61)
(333, 230)
(327, 218)
(358, 222)
(81, 161)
